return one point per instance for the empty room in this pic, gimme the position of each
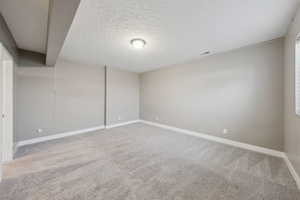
(150, 100)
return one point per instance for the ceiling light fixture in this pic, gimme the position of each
(138, 43)
(205, 53)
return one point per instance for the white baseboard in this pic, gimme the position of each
(236, 144)
(184, 131)
(67, 134)
(57, 136)
(219, 140)
(122, 124)
(292, 170)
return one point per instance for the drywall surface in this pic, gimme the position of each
(27, 21)
(122, 96)
(291, 119)
(7, 39)
(175, 31)
(31, 59)
(61, 15)
(240, 90)
(58, 99)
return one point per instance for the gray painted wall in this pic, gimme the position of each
(31, 59)
(241, 91)
(291, 120)
(63, 98)
(122, 96)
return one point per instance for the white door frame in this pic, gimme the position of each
(1, 123)
(7, 106)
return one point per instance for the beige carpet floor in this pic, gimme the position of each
(141, 162)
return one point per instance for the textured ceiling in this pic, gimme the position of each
(27, 21)
(175, 31)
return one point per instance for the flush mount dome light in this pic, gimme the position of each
(205, 53)
(138, 43)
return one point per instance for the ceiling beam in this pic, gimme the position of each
(61, 14)
(7, 39)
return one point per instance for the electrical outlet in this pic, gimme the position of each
(119, 118)
(156, 118)
(39, 130)
(225, 131)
